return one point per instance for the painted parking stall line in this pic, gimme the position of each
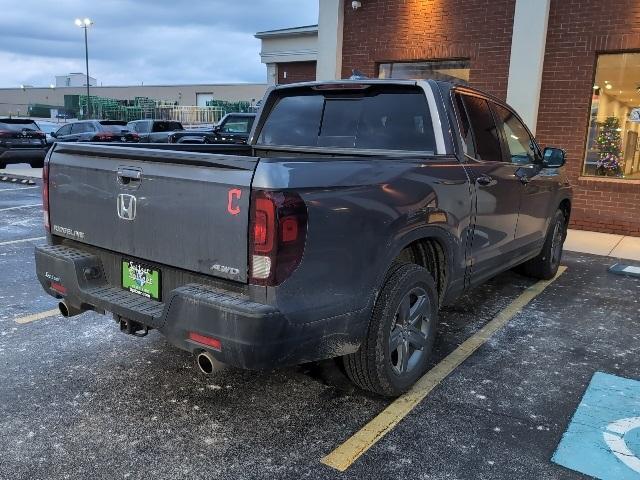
(19, 207)
(354, 447)
(22, 240)
(17, 189)
(37, 316)
(603, 438)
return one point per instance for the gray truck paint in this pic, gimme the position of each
(364, 207)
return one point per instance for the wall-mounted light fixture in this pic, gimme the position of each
(356, 5)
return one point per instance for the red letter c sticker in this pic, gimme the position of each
(234, 195)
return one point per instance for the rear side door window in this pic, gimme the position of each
(65, 130)
(522, 149)
(465, 127)
(485, 131)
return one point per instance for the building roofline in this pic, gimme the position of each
(239, 84)
(285, 32)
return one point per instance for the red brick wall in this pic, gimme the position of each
(577, 31)
(296, 72)
(411, 30)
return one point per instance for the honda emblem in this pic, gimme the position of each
(126, 206)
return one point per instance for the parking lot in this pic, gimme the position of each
(81, 400)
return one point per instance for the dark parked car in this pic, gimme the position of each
(234, 128)
(356, 210)
(21, 141)
(154, 131)
(95, 131)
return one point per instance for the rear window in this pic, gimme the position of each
(167, 126)
(18, 125)
(393, 119)
(114, 128)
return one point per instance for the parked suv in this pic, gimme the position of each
(154, 131)
(21, 141)
(96, 131)
(233, 128)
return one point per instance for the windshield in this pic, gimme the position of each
(48, 127)
(392, 118)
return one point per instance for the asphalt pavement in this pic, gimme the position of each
(79, 399)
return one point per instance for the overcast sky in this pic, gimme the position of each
(135, 41)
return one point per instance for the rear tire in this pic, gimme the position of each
(396, 350)
(37, 164)
(545, 265)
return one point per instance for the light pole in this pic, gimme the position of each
(85, 24)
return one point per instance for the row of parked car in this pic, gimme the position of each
(27, 141)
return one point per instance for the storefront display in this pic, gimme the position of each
(612, 142)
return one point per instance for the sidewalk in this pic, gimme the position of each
(605, 244)
(21, 170)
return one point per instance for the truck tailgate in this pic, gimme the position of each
(188, 210)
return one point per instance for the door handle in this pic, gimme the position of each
(485, 180)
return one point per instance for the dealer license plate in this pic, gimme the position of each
(141, 279)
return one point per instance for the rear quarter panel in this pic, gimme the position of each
(362, 212)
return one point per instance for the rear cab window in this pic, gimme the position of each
(385, 117)
(237, 124)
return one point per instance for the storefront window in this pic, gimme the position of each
(456, 71)
(613, 148)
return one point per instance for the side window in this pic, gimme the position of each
(142, 127)
(522, 149)
(66, 130)
(465, 127)
(78, 128)
(483, 126)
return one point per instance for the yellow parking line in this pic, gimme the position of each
(347, 453)
(37, 316)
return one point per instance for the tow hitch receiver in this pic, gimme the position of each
(131, 327)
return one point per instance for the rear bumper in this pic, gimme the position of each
(22, 155)
(252, 335)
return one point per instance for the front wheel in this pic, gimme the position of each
(545, 265)
(399, 340)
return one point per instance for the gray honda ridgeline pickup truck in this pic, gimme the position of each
(354, 212)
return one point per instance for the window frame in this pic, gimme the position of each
(490, 99)
(506, 150)
(428, 88)
(432, 61)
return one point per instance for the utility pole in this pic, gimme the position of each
(85, 24)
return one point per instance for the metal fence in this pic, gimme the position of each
(147, 108)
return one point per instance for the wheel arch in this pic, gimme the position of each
(433, 248)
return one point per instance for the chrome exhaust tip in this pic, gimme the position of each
(206, 363)
(67, 310)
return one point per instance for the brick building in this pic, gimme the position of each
(570, 67)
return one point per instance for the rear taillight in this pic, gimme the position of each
(102, 137)
(278, 232)
(45, 193)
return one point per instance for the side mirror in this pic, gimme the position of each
(54, 134)
(553, 157)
